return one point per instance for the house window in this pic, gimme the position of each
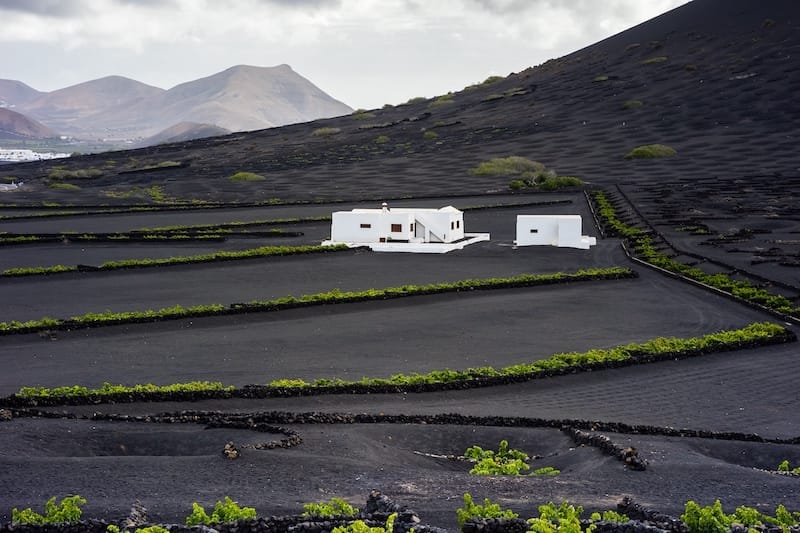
(534, 230)
(366, 226)
(412, 227)
(397, 228)
(458, 223)
(452, 225)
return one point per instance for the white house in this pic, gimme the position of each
(4, 187)
(552, 230)
(399, 229)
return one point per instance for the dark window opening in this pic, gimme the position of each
(366, 226)
(458, 223)
(397, 228)
(534, 231)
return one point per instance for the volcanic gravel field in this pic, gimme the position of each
(714, 426)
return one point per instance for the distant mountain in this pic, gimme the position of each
(14, 93)
(75, 109)
(184, 131)
(15, 125)
(240, 98)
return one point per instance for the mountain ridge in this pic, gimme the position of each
(239, 98)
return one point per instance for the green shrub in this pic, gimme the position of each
(430, 134)
(325, 132)
(68, 511)
(650, 151)
(487, 510)
(784, 467)
(558, 182)
(63, 186)
(713, 519)
(59, 173)
(527, 173)
(504, 461)
(507, 166)
(359, 526)
(609, 516)
(362, 114)
(335, 507)
(109, 390)
(546, 471)
(247, 176)
(112, 528)
(632, 104)
(654, 60)
(600, 78)
(445, 99)
(227, 511)
(565, 518)
(382, 139)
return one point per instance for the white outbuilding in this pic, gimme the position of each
(552, 230)
(399, 229)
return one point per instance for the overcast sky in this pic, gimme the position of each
(365, 53)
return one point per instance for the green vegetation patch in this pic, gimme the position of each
(67, 511)
(63, 186)
(227, 511)
(333, 508)
(713, 519)
(59, 173)
(110, 390)
(643, 247)
(651, 151)
(505, 461)
(224, 255)
(655, 349)
(445, 99)
(362, 114)
(601, 78)
(332, 297)
(487, 510)
(758, 334)
(565, 518)
(632, 104)
(526, 173)
(654, 60)
(246, 176)
(325, 132)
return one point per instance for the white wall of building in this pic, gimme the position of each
(552, 230)
(445, 225)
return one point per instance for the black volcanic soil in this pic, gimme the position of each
(727, 202)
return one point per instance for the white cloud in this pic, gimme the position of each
(365, 52)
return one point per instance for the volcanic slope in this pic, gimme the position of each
(712, 426)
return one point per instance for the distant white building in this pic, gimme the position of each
(5, 187)
(400, 229)
(19, 155)
(552, 230)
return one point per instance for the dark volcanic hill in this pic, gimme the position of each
(184, 131)
(237, 99)
(714, 79)
(15, 125)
